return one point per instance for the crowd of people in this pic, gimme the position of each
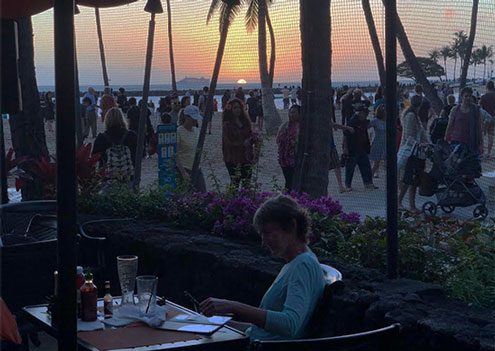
(464, 120)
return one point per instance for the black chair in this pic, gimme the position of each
(384, 339)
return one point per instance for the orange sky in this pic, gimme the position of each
(195, 44)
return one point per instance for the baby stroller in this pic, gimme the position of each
(453, 177)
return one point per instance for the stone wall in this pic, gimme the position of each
(239, 270)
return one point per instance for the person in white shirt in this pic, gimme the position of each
(285, 93)
(187, 142)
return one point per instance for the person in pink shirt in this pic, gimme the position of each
(106, 103)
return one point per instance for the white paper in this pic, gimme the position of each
(199, 319)
(191, 328)
(131, 313)
(89, 326)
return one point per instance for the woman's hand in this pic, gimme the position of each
(212, 306)
(350, 130)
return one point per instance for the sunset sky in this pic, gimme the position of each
(429, 24)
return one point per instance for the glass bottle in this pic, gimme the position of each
(80, 280)
(89, 296)
(107, 301)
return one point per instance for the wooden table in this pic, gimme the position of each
(226, 338)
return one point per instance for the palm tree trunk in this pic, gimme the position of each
(469, 49)
(102, 48)
(171, 47)
(455, 66)
(313, 153)
(445, 66)
(211, 93)
(411, 59)
(474, 76)
(143, 108)
(272, 50)
(374, 40)
(27, 126)
(270, 113)
(484, 69)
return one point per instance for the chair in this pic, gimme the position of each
(384, 339)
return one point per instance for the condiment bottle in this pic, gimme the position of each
(89, 296)
(79, 282)
(107, 301)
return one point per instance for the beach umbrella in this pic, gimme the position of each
(12, 9)
(153, 7)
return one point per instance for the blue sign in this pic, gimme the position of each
(167, 149)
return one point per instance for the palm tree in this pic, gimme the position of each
(26, 126)
(475, 60)
(102, 48)
(445, 53)
(374, 40)
(458, 48)
(485, 53)
(468, 49)
(491, 68)
(171, 47)
(251, 23)
(434, 54)
(228, 9)
(256, 13)
(313, 154)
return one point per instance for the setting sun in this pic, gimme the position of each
(241, 81)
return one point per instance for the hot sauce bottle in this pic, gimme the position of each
(107, 301)
(89, 296)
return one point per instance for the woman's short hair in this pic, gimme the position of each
(451, 99)
(297, 107)
(281, 210)
(466, 90)
(114, 119)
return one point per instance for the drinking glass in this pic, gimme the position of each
(146, 291)
(127, 266)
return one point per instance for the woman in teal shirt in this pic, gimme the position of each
(289, 303)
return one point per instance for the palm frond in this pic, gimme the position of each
(252, 16)
(228, 12)
(211, 11)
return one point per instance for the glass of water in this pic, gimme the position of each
(127, 266)
(146, 291)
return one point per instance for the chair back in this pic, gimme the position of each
(383, 339)
(16, 217)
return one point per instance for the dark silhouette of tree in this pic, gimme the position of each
(428, 65)
(468, 48)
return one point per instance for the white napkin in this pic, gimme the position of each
(88, 326)
(131, 313)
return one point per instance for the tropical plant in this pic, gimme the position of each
(445, 52)
(458, 47)
(428, 65)
(485, 53)
(375, 42)
(475, 60)
(171, 47)
(434, 54)
(469, 44)
(257, 13)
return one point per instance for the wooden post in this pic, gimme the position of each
(66, 172)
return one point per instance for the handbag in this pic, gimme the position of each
(405, 151)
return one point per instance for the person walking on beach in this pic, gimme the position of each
(236, 132)
(240, 95)
(465, 124)
(106, 103)
(122, 100)
(287, 140)
(202, 99)
(293, 95)
(187, 142)
(357, 148)
(351, 99)
(225, 98)
(487, 103)
(285, 97)
(49, 110)
(411, 171)
(91, 112)
(176, 106)
(425, 112)
(378, 151)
